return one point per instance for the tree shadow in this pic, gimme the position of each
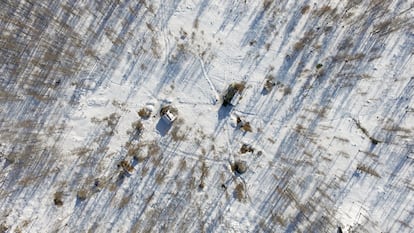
(79, 201)
(264, 91)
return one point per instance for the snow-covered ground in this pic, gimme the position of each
(330, 147)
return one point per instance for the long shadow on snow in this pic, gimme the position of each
(291, 24)
(172, 70)
(234, 13)
(150, 184)
(117, 50)
(203, 6)
(260, 33)
(45, 115)
(172, 9)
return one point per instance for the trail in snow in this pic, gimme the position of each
(213, 89)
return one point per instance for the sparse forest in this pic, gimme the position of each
(206, 116)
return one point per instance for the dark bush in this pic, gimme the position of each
(57, 199)
(240, 167)
(144, 113)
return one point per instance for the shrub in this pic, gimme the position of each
(246, 127)
(240, 192)
(133, 150)
(368, 170)
(156, 160)
(183, 164)
(176, 135)
(287, 91)
(266, 4)
(323, 10)
(81, 151)
(238, 120)
(160, 177)
(240, 167)
(124, 201)
(144, 171)
(155, 47)
(269, 84)
(299, 45)
(144, 113)
(304, 9)
(57, 198)
(204, 171)
(150, 27)
(246, 148)
(112, 120)
(279, 220)
(196, 23)
(201, 185)
(153, 149)
(3, 227)
(138, 126)
(82, 194)
(126, 166)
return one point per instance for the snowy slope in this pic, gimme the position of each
(331, 145)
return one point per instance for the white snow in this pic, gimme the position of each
(314, 166)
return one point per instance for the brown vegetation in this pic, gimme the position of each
(183, 165)
(368, 170)
(239, 86)
(124, 201)
(304, 9)
(138, 127)
(246, 127)
(160, 177)
(240, 192)
(176, 135)
(126, 166)
(287, 91)
(239, 166)
(267, 4)
(57, 198)
(204, 174)
(144, 113)
(82, 194)
(246, 148)
(269, 83)
(153, 148)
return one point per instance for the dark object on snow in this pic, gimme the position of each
(126, 166)
(57, 199)
(240, 167)
(144, 113)
(233, 94)
(339, 230)
(268, 86)
(246, 127)
(246, 148)
(82, 195)
(201, 185)
(318, 66)
(238, 121)
(243, 125)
